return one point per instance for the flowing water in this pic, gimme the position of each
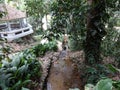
(62, 76)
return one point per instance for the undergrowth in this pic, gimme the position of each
(22, 71)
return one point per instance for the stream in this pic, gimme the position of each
(63, 75)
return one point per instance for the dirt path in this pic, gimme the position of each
(20, 47)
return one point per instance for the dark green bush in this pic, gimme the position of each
(41, 49)
(107, 83)
(94, 74)
(23, 68)
(20, 71)
(111, 45)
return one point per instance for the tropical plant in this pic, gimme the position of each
(41, 49)
(104, 84)
(23, 65)
(111, 42)
(94, 74)
(109, 84)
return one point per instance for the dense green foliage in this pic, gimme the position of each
(35, 9)
(98, 17)
(23, 65)
(1, 1)
(41, 49)
(69, 18)
(22, 70)
(109, 84)
(111, 42)
(106, 83)
(94, 74)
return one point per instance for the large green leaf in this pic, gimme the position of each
(3, 79)
(116, 84)
(25, 88)
(5, 63)
(23, 69)
(18, 84)
(26, 82)
(89, 87)
(15, 62)
(113, 69)
(105, 84)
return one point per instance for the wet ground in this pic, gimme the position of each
(63, 76)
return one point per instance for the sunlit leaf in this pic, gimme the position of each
(105, 84)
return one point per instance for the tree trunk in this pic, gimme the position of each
(95, 31)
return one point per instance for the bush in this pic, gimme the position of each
(94, 74)
(111, 45)
(18, 73)
(41, 49)
(106, 83)
(22, 69)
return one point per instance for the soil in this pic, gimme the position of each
(16, 47)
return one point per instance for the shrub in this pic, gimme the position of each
(106, 83)
(41, 49)
(16, 74)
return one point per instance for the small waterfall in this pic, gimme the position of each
(49, 87)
